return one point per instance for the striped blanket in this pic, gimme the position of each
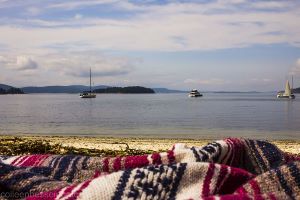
(225, 169)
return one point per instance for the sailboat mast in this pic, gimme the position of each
(292, 84)
(90, 80)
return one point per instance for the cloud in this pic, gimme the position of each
(295, 70)
(78, 16)
(3, 60)
(212, 81)
(78, 64)
(33, 11)
(171, 26)
(25, 63)
(79, 4)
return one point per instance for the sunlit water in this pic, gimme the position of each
(257, 115)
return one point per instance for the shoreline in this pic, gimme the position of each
(110, 145)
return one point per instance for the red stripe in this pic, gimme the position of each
(258, 197)
(171, 156)
(156, 159)
(21, 160)
(272, 196)
(41, 161)
(106, 165)
(222, 175)
(68, 190)
(229, 151)
(29, 162)
(210, 172)
(18, 158)
(136, 161)
(255, 187)
(117, 163)
(241, 190)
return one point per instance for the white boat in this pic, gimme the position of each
(288, 92)
(90, 94)
(195, 93)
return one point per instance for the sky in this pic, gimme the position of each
(232, 45)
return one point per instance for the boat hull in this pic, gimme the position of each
(195, 95)
(88, 96)
(286, 96)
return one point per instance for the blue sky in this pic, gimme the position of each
(210, 45)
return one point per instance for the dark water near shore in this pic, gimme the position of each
(255, 115)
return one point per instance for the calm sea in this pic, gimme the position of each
(255, 115)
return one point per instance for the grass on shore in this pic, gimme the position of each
(21, 146)
(102, 146)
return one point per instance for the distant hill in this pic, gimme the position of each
(126, 90)
(296, 90)
(61, 89)
(7, 89)
(165, 90)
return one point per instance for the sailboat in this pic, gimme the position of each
(288, 92)
(90, 94)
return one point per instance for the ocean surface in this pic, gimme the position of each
(251, 115)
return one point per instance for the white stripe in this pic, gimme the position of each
(10, 160)
(214, 179)
(61, 192)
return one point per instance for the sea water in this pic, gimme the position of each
(215, 115)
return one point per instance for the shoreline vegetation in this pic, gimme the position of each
(105, 146)
(11, 90)
(126, 90)
(74, 89)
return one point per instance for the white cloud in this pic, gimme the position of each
(156, 26)
(3, 60)
(78, 16)
(212, 81)
(25, 63)
(295, 70)
(33, 11)
(75, 4)
(77, 64)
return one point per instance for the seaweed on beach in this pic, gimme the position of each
(22, 146)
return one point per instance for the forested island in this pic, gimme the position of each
(296, 90)
(126, 90)
(11, 90)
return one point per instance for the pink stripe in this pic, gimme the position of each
(41, 161)
(29, 161)
(210, 172)
(255, 187)
(18, 158)
(77, 193)
(21, 160)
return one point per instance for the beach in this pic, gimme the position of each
(108, 146)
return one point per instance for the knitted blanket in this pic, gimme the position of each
(225, 169)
